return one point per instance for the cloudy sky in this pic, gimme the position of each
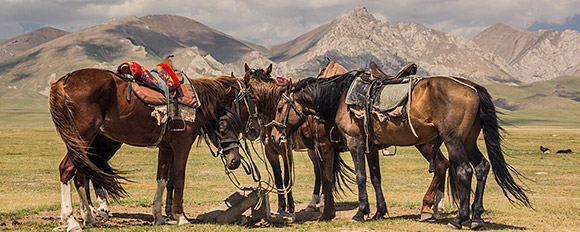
(271, 22)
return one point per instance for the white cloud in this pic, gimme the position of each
(278, 21)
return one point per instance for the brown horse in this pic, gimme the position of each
(266, 93)
(320, 136)
(92, 115)
(222, 133)
(450, 108)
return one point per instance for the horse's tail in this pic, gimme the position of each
(342, 175)
(453, 185)
(493, 139)
(78, 151)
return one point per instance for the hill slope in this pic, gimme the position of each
(15, 46)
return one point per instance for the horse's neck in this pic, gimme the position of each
(269, 101)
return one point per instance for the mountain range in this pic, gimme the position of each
(499, 54)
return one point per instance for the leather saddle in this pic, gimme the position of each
(169, 87)
(384, 93)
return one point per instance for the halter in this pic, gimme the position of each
(282, 125)
(244, 96)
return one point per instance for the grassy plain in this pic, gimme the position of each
(30, 151)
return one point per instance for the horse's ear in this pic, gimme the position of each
(289, 85)
(168, 61)
(268, 70)
(246, 67)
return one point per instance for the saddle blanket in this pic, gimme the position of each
(384, 97)
(152, 77)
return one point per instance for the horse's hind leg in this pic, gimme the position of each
(67, 170)
(434, 194)
(464, 172)
(86, 213)
(482, 167)
(317, 182)
(105, 149)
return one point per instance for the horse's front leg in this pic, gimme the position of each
(289, 179)
(274, 161)
(163, 163)
(356, 148)
(434, 194)
(375, 171)
(327, 171)
(169, 196)
(180, 154)
(317, 182)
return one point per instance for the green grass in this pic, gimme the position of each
(30, 151)
(29, 183)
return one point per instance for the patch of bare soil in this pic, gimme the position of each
(121, 215)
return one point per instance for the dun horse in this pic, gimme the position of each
(94, 118)
(319, 135)
(450, 108)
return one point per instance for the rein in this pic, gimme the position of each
(248, 163)
(291, 105)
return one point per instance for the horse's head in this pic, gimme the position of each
(224, 135)
(265, 91)
(248, 112)
(255, 79)
(290, 115)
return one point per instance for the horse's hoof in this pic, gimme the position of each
(311, 208)
(426, 216)
(359, 217)
(326, 218)
(75, 228)
(182, 221)
(378, 217)
(453, 226)
(476, 225)
(102, 214)
(159, 222)
(90, 223)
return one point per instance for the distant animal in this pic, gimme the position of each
(545, 150)
(565, 151)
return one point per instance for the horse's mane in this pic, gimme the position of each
(323, 93)
(212, 93)
(263, 77)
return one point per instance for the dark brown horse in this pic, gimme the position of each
(450, 108)
(328, 166)
(92, 115)
(321, 137)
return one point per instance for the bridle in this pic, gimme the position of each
(291, 104)
(244, 96)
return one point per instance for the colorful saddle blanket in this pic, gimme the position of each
(153, 77)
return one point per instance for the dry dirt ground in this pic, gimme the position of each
(141, 216)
